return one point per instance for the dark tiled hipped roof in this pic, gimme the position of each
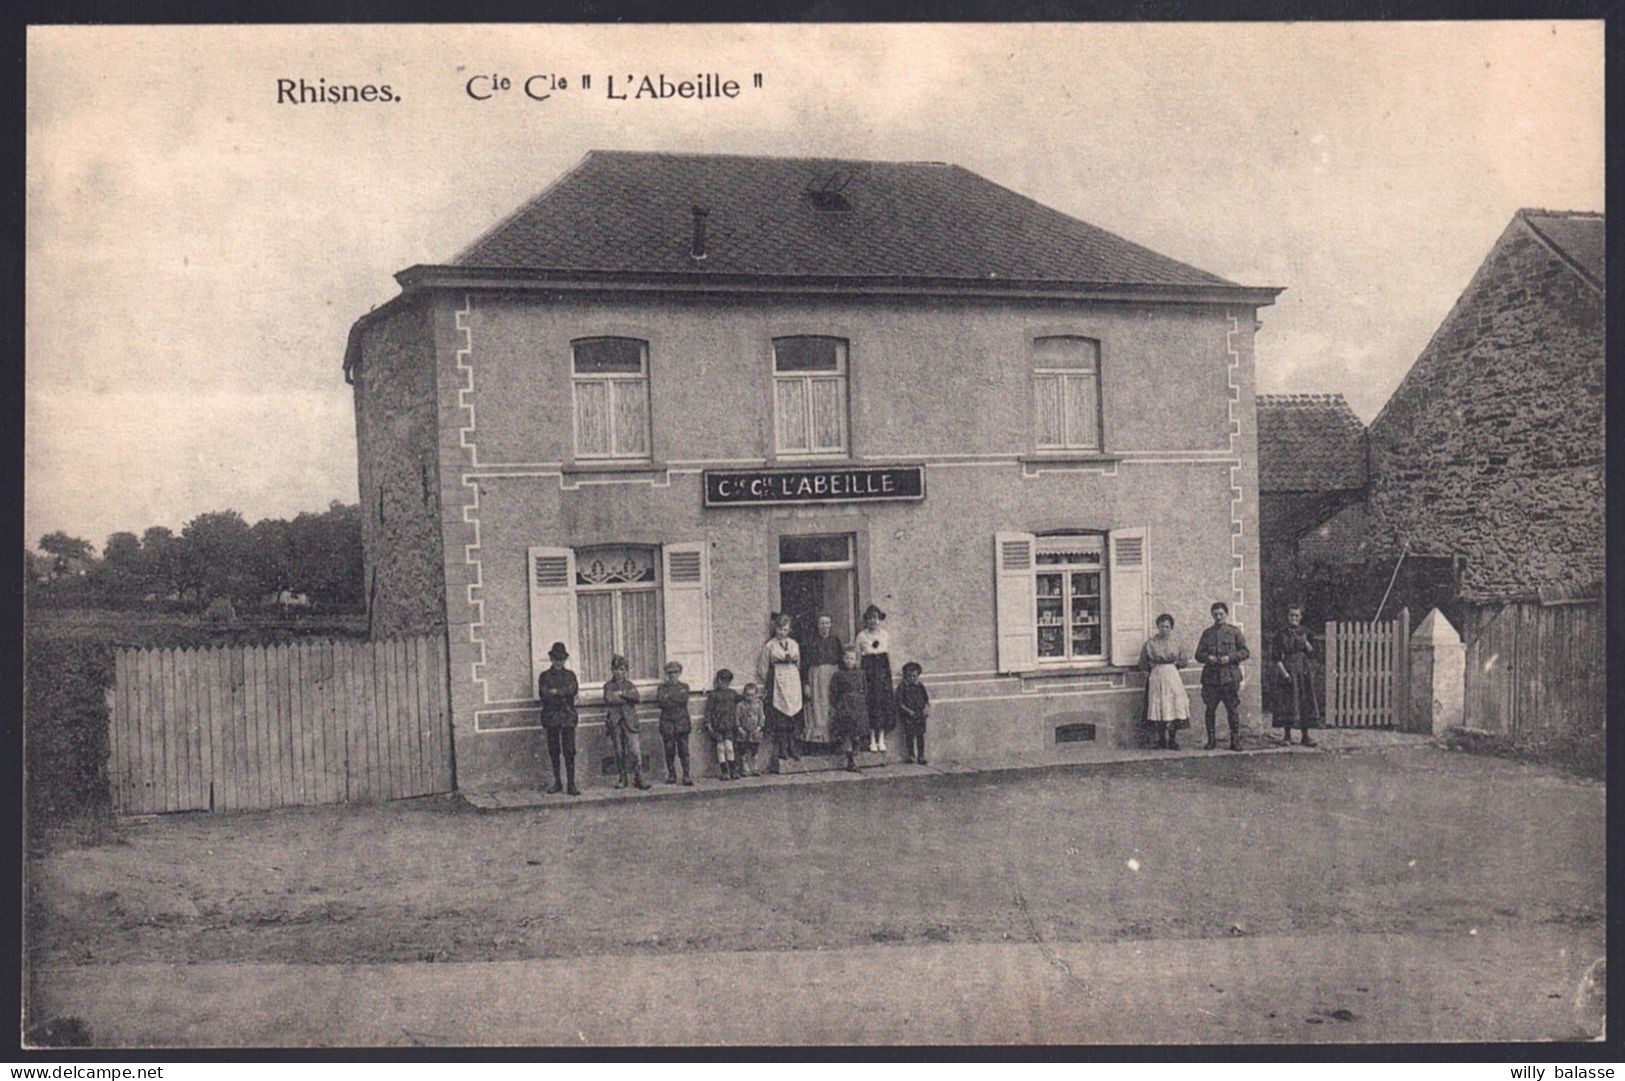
(1309, 443)
(633, 213)
(1578, 236)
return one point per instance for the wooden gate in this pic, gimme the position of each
(248, 727)
(1368, 672)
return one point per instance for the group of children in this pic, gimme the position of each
(735, 721)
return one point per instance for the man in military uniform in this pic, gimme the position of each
(1220, 653)
(557, 688)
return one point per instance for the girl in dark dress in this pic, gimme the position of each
(1296, 706)
(874, 647)
(850, 698)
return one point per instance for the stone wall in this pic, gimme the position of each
(396, 419)
(1492, 448)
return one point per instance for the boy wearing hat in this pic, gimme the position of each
(914, 707)
(672, 695)
(621, 721)
(557, 688)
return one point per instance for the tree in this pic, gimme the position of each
(274, 568)
(160, 570)
(122, 550)
(325, 550)
(218, 557)
(118, 577)
(69, 555)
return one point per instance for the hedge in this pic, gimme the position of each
(65, 730)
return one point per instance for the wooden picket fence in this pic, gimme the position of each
(247, 727)
(1532, 666)
(1368, 672)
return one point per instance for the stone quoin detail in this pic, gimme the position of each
(471, 510)
(1238, 494)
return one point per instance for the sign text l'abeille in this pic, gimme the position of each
(836, 484)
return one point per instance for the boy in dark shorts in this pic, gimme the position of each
(675, 725)
(913, 707)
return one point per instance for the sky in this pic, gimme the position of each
(197, 251)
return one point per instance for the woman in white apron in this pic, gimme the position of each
(1167, 704)
(778, 669)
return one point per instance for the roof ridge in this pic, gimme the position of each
(617, 211)
(1543, 212)
(762, 157)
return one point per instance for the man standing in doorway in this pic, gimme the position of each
(1220, 653)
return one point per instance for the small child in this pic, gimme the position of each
(621, 721)
(750, 720)
(913, 706)
(851, 697)
(722, 725)
(672, 695)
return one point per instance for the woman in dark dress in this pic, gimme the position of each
(820, 660)
(874, 648)
(1296, 706)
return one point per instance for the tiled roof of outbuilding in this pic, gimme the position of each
(1309, 443)
(630, 212)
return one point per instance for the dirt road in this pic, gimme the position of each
(1294, 989)
(1395, 855)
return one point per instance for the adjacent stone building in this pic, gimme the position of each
(1483, 488)
(1492, 447)
(1491, 453)
(673, 393)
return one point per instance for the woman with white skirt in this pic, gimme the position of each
(1167, 705)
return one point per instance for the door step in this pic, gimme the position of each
(818, 763)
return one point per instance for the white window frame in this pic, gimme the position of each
(841, 375)
(1062, 377)
(610, 381)
(1065, 571)
(849, 565)
(584, 555)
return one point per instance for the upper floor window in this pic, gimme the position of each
(809, 395)
(611, 384)
(1066, 390)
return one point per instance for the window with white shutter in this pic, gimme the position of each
(550, 573)
(1130, 595)
(688, 609)
(1014, 601)
(1071, 598)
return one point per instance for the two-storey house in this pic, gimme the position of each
(675, 393)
